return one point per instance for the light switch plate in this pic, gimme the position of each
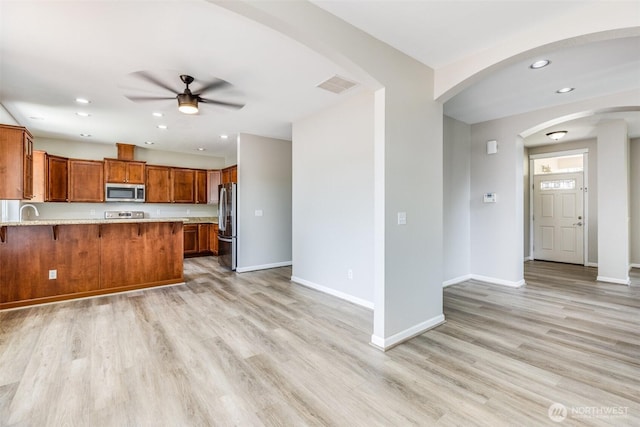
(53, 274)
(258, 212)
(402, 218)
(490, 197)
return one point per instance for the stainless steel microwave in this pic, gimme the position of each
(124, 192)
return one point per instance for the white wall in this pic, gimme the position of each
(333, 200)
(634, 161)
(496, 228)
(613, 209)
(407, 163)
(93, 151)
(264, 184)
(6, 118)
(456, 218)
(592, 176)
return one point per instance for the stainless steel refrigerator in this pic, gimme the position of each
(227, 226)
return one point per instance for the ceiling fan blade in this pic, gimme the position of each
(215, 84)
(151, 79)
(221, 103)
(150, 98)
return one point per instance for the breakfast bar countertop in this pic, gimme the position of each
(87, 221)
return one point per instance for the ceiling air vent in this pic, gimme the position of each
(336, 84)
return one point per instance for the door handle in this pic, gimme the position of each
(578, 223)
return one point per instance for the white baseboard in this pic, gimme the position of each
(497, 281)
(626, 281)
(263, 266)
(634, 265)
(456, 280)
(591, 264)
(333, 292)
(385, 344)
(528, 258)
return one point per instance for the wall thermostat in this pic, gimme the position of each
(490, 197)
(492, 147)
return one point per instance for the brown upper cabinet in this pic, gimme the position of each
(16, 163)
(230, 174)
(213, 180)
(39, 176)
(183, 185)
(158, 186)
(165, 184)
(201, 186)
(121, 171)
(86, 180)
(56, 179)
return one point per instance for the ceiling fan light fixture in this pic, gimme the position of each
(557, 135)
(187, 103)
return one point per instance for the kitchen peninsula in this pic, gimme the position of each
(53, 260)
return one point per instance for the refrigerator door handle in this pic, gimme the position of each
(222, 220)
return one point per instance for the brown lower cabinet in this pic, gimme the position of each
(144, 252)
(86, 260)
(213, 239)
(200, 239)
(190, 239)
(28, 255)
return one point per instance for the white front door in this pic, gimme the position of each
(558, 218)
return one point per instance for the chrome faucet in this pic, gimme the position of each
(28, 205)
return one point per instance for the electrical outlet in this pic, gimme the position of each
(349, 274)
(53, 274)
(258, 212)
(188, 211)
(92, 212)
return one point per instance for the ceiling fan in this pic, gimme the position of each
(187, 101)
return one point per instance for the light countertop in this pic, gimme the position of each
(198, 220)
(201, 220)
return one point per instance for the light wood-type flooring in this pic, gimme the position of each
(254, 349)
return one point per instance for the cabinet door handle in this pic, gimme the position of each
(3, 234)
(99, 231)
(139, 229)
(54, 228)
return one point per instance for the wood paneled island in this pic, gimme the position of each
(46, 261)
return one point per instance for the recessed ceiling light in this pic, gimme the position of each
(162, 126)
(565, 90)
(540, 64)
(149, 142)
(556, 135)
(224, 136)
(157, 114)
(36, 118)
(200, 149)
(83, 114)
(86, 135)
(83, 101)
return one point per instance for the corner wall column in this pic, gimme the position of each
(613, 202)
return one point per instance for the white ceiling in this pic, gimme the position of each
(438, 33)
(54, 51)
